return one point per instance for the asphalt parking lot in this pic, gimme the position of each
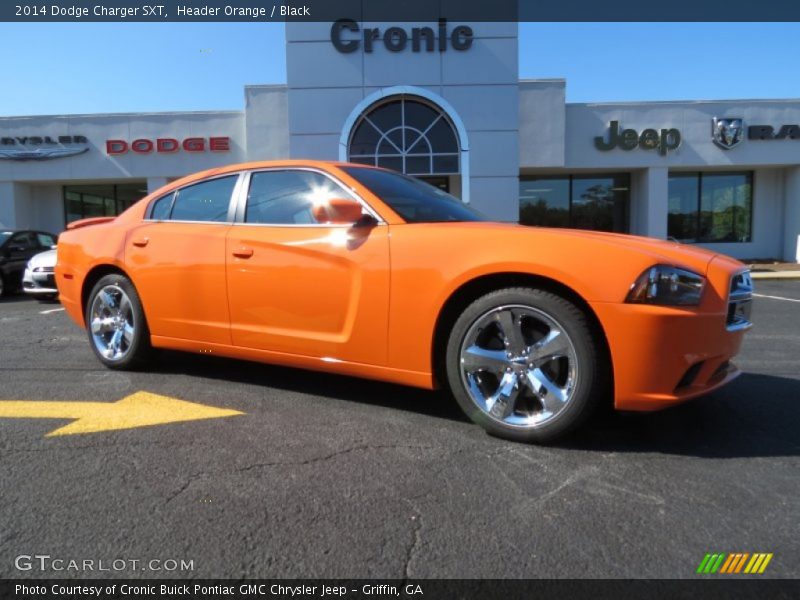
(326, 476)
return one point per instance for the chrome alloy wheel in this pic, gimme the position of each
(519, 365)
(112, 323)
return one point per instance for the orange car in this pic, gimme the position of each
(367, 272)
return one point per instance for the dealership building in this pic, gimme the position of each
(442, 101)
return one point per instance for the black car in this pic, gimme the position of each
(16, 248)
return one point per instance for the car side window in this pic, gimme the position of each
(45, 240)
(160, 209)
(205, 201)
(22, 240)
(287, 197)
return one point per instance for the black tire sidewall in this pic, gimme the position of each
(589, 386)
(140, 347)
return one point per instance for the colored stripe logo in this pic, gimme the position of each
(733, 563)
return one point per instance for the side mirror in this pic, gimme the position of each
(337, 211)
(365, 221)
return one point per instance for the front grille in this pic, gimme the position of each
(740, 302)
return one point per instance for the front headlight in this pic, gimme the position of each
(668, 286)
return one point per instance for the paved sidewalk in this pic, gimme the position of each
(776, 270)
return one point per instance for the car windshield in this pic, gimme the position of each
(412, 199)
(4, 235)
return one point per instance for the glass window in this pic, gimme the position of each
(597, 202)
(205, 201)
(544, 201)
(600, 203)
(4, 235)
(684, 190)
(287, 197)
(105, 200)
(23, 241)
(45, 240)
(710, 207)
(160, 209)
(412, 199)
(406, 134)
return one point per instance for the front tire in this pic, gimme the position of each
(116, 325)
(525, 364)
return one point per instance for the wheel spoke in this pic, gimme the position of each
(127, 333)
(476, 358)
(512, 330)
(553, 345)
(102, 325)
(549, 393)
(115, 342)
(107, 300)
(504, 401)
(125, 306)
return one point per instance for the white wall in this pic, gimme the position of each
(480, 84)
(47, 204)
(267, 122)
(542, 122)
(791, 231)
(693, 119)
(96, 164)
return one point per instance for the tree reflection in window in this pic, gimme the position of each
(408, 135)
(597, 202)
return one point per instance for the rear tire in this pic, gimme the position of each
(116, 325)
(525, 364)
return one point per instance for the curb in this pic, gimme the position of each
(775, 275)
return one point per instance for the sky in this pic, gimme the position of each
(74, 68)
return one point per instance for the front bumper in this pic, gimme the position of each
(39, 283)
(665, 355)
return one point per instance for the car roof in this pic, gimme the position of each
(262, 164)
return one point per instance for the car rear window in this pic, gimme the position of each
(205, 201)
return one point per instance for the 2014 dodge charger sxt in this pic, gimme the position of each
(367, 272)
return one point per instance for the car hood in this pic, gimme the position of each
(675, 253)
(43, 259)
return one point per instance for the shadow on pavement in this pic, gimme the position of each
(15, 298)
(756, 415)
(336, 387)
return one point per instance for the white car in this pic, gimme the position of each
(39, 278)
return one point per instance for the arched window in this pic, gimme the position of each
(407, 134)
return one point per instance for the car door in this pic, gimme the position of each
(176, 258)
(301, 287)
(19, 249)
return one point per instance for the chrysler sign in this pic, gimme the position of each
(38, 147)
